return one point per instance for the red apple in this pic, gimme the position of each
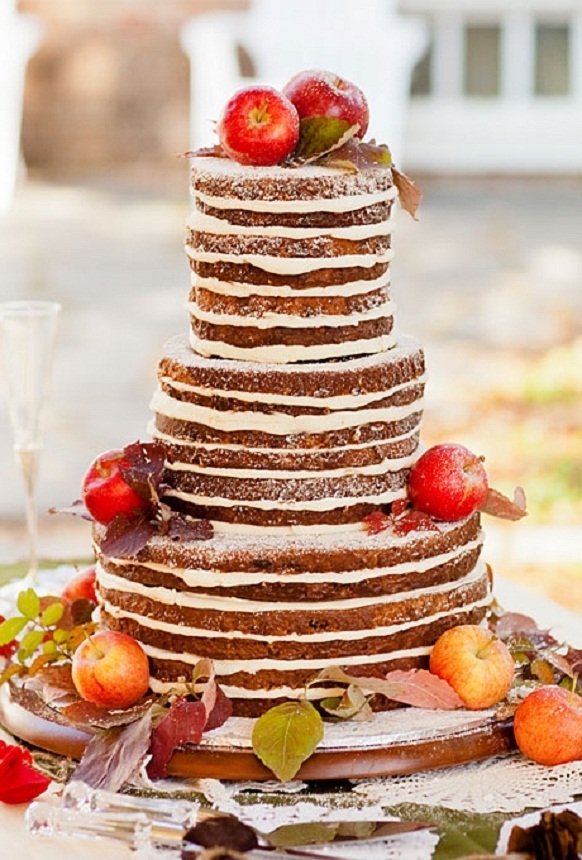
(111, 670)
(548, 726)
(258, 126)
(448, 482)
(478, 666)
(106, 492)
(316, 92)
(81, 586)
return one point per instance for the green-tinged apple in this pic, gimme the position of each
(478, 666)
(111, 670)
(318, 93)
(81, 586)
(548, 725)
(258, 126)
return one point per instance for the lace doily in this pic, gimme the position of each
(508, 784)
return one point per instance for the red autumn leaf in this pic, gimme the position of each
(180, 528)
(183, 723)
(515, 624)
(127, 534)
(19, 781)
(376, 522)
(221, 711)
(143, 468)
(413, 521)
(498, 505)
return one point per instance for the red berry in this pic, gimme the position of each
(106, 492)
(10, 647)
(448, 482)
(258, 126)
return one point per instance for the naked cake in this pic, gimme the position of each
(290, 412)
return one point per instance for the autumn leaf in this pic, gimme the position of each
(319, 135)
(113, 756)
(408, 191)
(285, 736)
(417, 687)
(498, 505)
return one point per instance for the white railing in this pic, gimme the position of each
(19, 37)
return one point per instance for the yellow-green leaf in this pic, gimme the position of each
(52, 614)
(28, 604)
(11, 628)
(285, 736)
(31, 641)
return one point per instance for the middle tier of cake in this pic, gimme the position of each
(307, 447)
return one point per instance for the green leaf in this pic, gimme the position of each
(60, 636)
(52, 614)
(28, 604)
(31, 641)
(285, 736)
(319, 135)
(11, 628)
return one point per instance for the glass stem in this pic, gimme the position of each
(27, 459)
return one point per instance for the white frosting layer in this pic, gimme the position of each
(197, 578)
(280, 423)
(291, 265)
(271, 320)
(233, 288)
(239, 605)
(382, 467)
(221, 226)
(345, 203)
(282, 354)
(340, 401)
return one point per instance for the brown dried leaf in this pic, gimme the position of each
(558, 836)
(417, 687)
(498, 505)
(409, 192)
(113, 756)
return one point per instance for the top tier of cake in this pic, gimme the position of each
(289, 264)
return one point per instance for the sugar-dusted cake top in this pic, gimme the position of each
(222, 177)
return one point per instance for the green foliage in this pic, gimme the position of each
(286, 735)
(41, 633)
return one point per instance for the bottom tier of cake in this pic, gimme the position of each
(272, 613)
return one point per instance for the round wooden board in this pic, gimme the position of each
(354, 760)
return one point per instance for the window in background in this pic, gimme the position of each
(552, 60)
(481, 60)
(421, 82)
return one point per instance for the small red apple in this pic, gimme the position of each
(111, 670)
(548, 725)
(81, 586)
(106, 492)
(316, 92)
(448, 482)
(258, 126)
(478, 666)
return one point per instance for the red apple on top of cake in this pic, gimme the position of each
(259, 126)
(319, 93)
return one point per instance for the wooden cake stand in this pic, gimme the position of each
(389, 745)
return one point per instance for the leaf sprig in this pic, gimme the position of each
(43, 633)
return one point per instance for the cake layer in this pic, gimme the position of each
(272, 612)
(282, 237)
(306, 444)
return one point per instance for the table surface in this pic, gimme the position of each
(16, 842)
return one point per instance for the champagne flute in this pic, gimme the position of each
(27, 340)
